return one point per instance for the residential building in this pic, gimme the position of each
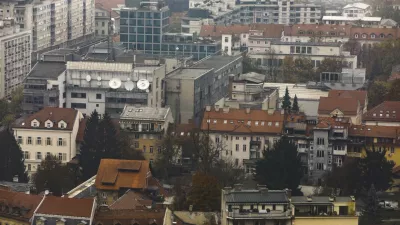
(360, 96)
(344, 20)
(146, 127)
(329, 210)
(58, 210)
(340, 107)
(114, 177)
(261, 206)
(369, 36)
(385, 114)
(51, 131)
(20, 207)
(87, 86)
(332, 12)
(190, 89)
(249, 92)
(149, 33)
(317, 52)
(107, 216)
(242, 134)
(357, 10)
(348, 79)
(44, 83)
(56, 23)
(15, 52)
(380, 137)
(316, 33)
(104, 22)
(189, 217)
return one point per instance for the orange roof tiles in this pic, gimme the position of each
(17, 199)
(374, 131)
(126, 176)
(349, 106)
(132, 200)
(53, 114)
(240, 121)
(129, 217)
(361, 96)
(323, 30)
(269, 30)
(387, 111)
(66, 206)
(388, 33)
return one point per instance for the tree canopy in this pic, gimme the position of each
(202, 200)
(295, 105)
(280, 167)
(371, 215)
(286, 104)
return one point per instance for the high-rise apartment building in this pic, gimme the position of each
(15, 49)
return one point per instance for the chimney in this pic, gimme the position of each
(216, 108)
(230, 86)
(262, 188)
(227, 190)
(208, 108)
(288, 193)
(247, 110)
(226, 109)
(282, 111)
(271, 111)
(15, 179)
(238, 187)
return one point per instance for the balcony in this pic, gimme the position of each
(354, 154)
(260, 215)
(339, 152)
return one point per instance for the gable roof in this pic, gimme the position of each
(75, 207)
(380, 33)
(132, 200)
(129, 217)
(349, 106)
(240, 121)
(387, 111)
(53, 114)
(374, 131)
(361, 96)
(114, 174)
(357, 5)
(317, 30)
(21, 200)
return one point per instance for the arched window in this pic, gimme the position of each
(372, 35)
(301, 32)
(310, 32)
(390, 36)
(382, 36)
(355, 35)
(332, 33)
(364, 35)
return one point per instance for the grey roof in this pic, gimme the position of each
(216, 61)
(52, 220)
(188, 73)
(17, 187)
(60, 51)
(318, 200)
(144, 113)
(249, 196)
(252, 77)
(47, 69)
(333, 44)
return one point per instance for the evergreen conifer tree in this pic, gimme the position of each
(295, 105)
(371, 215)
(286, 104)
(108, 139)
(12, 158)
(89, 158)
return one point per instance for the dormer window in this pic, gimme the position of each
(372, 35)
(48, 125)
(62, 124)
(35, 123)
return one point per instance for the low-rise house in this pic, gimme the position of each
(341, 107)
(17, 208)
(63, 211)
(260, 206)
(324, 210)
(385, 114)
(146, 126)
(361, 96)
(51, 131)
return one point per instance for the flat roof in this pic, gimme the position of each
(144, 113)
(217, 61)
(345, 18)
(188, 73)
(47, 70)
(336, 44)
(60, 51)
(300, 90)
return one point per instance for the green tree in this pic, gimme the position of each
(304, 69)
(371, 215)
(179, 202)
(280, 167)
(330, 64)
(12, 159)
(286, 104)
(108, 144)
(53, 176)
(394, 91)
(295, 105)
(165, 160)
(205, 193)
(377, 91)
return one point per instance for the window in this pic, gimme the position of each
(29, 167)
(38, 155)
(392, 150)
(78, 105)
(26, 155)
(20, 141)
(48, 154)
(60, 142)
(244, 148)
(98, 96)
(217, 140)
(226, 39)
(48, 141)
(136, 144)
(236, 162)
(237, 147)
(29, 141)
(60, 156)
(320, 153)
(356, 35)
(320, 166)
(159, 149)
(244, 138)
(237, 138)
(320, 141)
(144, 148)
(78, 95)
(151, 149)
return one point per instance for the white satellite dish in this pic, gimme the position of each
(115, 83)
(128, 79)
(88, 78)
(129, 85)
(99, 83)
(143, 84)
(99, 78)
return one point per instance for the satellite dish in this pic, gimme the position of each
(99, 78)
(88, 78)
(147, 90)
(129, 85)
(99, 83)
(128, 79)
(115, 83)
(143, 84)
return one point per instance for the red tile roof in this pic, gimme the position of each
(240, 121)
(216, 31)
(20, 200)
(66, 206)
(349, 106)
(114, 174)
(387, 111)
(374, 131)
(129, 217)
(361, 96)
(318, 30)
(53, 114)
(388, 33)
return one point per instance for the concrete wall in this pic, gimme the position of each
(351, 220)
